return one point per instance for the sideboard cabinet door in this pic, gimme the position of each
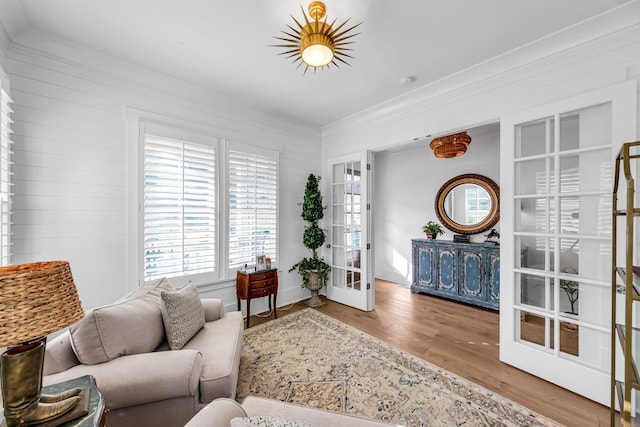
(424, 267)
(471, 275)
(447, 269)
(493, 278)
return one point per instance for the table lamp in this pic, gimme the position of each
(36, 299)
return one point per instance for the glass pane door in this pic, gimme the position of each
(563, 181)
(557, 178)
(350, 283)
(346, 226)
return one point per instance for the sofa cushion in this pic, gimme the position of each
(59, 355)
(151, 291)
(127, 327)
(182, 314)
(266, 421)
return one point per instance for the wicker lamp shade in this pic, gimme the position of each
(35, 300)
(451, 145)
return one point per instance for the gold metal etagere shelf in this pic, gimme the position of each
(630, 288)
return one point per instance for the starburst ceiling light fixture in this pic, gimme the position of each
(317, 44)
(451, 145)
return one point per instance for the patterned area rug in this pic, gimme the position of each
(311, 359)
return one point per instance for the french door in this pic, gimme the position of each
(351, 278)
(557, 174)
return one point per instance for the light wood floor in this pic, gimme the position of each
(461, 339)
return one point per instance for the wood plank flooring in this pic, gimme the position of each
(461, 339)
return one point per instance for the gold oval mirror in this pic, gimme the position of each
(468, 204)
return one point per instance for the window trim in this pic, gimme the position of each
(229, 273)
(171, 132)
(222, 271)
(5, 99)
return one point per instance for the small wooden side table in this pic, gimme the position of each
(257, 285)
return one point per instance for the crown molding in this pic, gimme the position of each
(613, 23)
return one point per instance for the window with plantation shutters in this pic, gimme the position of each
(252, 206)
(5, 172)
(179, 212)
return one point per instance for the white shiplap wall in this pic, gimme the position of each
(4, 48)
(76, 167)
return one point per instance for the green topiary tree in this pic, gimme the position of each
(314, 237)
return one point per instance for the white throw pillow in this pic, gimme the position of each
(182, 314)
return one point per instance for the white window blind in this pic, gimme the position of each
(179, 207)
(5, 175)
(253, 207)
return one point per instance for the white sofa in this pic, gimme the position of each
(158, 387)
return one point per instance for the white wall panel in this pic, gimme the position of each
(76, 162)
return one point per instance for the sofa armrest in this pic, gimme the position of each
(141, 378)
(213, 309)
(217, 414)
(59, 355)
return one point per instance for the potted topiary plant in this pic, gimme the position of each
(314, 270)
(432, 229)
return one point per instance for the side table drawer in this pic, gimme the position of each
(262, 283)
(258, 277)
(261, 292)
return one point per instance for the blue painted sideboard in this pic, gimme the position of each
(467, 272)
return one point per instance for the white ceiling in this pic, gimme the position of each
(224, 44)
